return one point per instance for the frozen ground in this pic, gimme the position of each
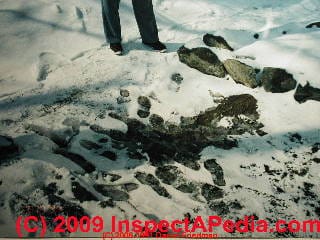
(59, 83)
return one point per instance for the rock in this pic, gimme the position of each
(124, 97)
(232, 106)
(99, 129)
(112, 192)
(168, 174)
(171, 175)
(241, 73)
(210, 192)
(145, 106)
(103, 140)
(296, 137)
(89, 145)
(202, 59)
(225, 143)
(78, 159)
(216, 170)
(107, 203)
(144, 102)
(220, 208)
(130, 187)
(117, 135)
(315, 24)
(315, 147)
(187, 158)
(244, 104)
(261, 133)
(309, 191)
(187, 187)
(153, 182)
(235, 205)
(7, 147)
(110, 155)
(112, 177)
(143, 114)
(124, 93)
(277, 80)
(216, 41)
(177, 78)
(51, 188)
(317, 211)
(306, 93)
(81, 193)
(156, 121)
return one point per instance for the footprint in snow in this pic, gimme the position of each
(48, 62)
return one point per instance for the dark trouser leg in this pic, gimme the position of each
(143, 10)
(111, 20)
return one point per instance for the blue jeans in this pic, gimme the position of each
(143, 11)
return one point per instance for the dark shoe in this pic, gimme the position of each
(116, 48)
(157, 46)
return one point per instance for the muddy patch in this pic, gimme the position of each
(166, 142)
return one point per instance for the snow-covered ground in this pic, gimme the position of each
(58, 78)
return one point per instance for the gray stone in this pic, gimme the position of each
(202, 59)
(220, 208)
(110, 155)
(277, 80)
(153, 182)
(241, 73)
(216, 41)
(306, 93)
(124, 93)
(143, 114)
(144, 102)
(89, 145)
(216, 170)
(315, 24)
(113, 177)
(232, 106)
(210, 192)
(187, 187)
(78, 159)
(7, 147)
(122, 100)
(112, 192)
(81, 193)
(168, 174)
(130, 187)
(156, 121)
(177, 78)
(107, 203)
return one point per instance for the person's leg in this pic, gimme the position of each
(143, 10)
(111, 20)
